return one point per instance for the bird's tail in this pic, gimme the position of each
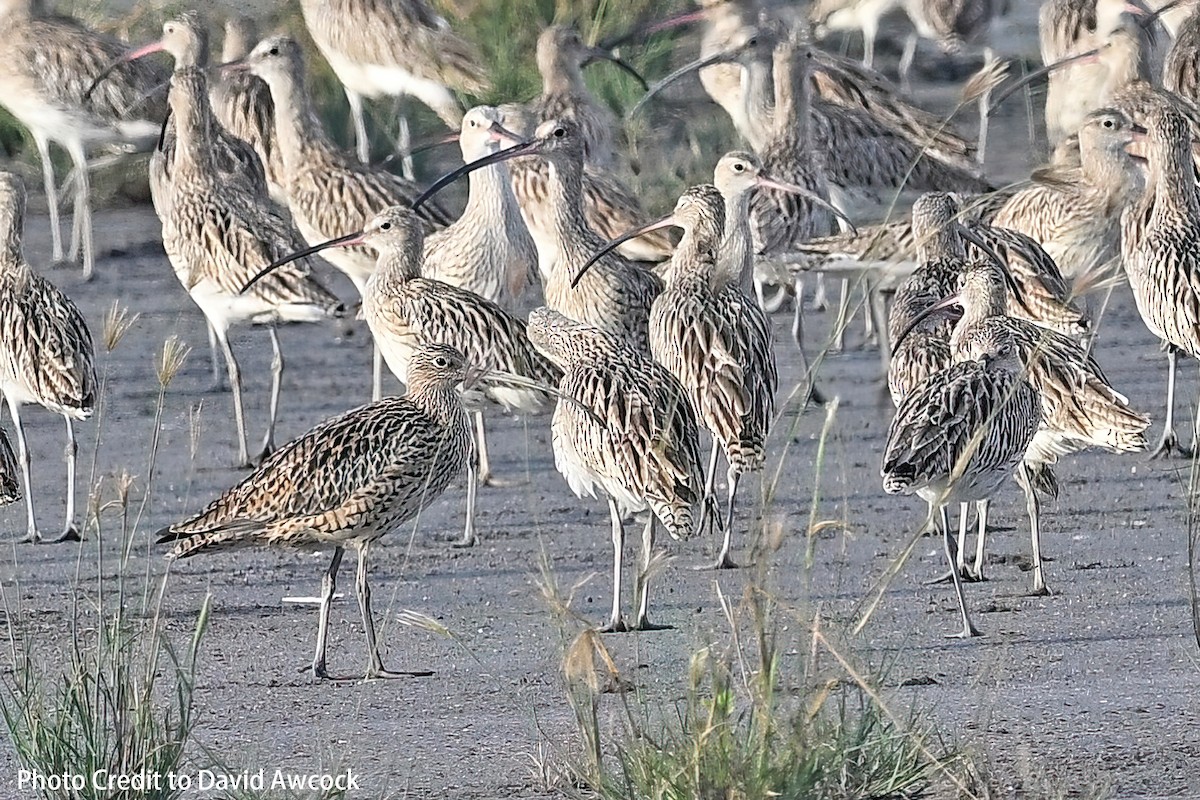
(237, 533)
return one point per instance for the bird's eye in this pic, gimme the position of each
(441, 362)
(559, 133)
(273, 51)
(739, 167)
(385, 226)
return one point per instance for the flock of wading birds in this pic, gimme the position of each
(990, 367)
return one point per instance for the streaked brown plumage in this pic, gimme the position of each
(623, 426)
(609, 207)
(716, 341)
(1080, 408)
(243, 105)
(46, 353)
(218, 235)
(388, 48)
(49, 65)
(487, 250)
(346, 483)
(960, 434)
(328, 191)
(10, 489)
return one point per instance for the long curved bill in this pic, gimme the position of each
(944, 304)
(1146, 20)
(522, 149)
(1086, 57)
(349, 240)
(600, 54)
(973, 236)
(666, 222)
(132, 55)
(162, 132)
(812, 197)
(512, 379)
(722, 57)
(642, 32)
(421, 147)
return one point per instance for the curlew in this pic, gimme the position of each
(347, 483)
(624, 427)
(1163, 260)
(844, 15)
(328, 192)
(44, 78)
(715, 339)
(1181, 67)
(561, 56)
(218, 235)
(487, 250)
(609, 208)
(389, 48)
(242, 103)
(46, 353)
(406, 311)
(960, 434)
(186, 39)
(1080, 408)
(614, 294)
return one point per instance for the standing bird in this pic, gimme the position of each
(716, 340)
(347, 483)
(218, 234)
(488, 249)
(328, 192)
(614, 294)
(50, 62)
(1080, 408)
(960, 434)
(623, 426)
(845, 15)
(46, 353)
(406, 312)
(1163, 261)
(390, 48)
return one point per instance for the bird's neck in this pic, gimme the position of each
(1174, 184)
(737, 260)
(939, 243)
(565, 188)
(393, 269)
(490, 197)
(561, 80)
(297, 127)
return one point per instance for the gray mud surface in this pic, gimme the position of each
(1096, 685)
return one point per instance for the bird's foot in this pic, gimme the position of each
(378, 672)
(70, 534)
(1041, 591)
(617, 625)
(722, 562)
(969, 631)
(493, 482)
(31, 537)
(264, 454)
(645, 624)
(468, 540)
(966, 574)
(1169, 443)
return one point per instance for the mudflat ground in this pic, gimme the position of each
(1095, 686)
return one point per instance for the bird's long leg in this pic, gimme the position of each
(376, 373)
(615, 623)
(468, 537)
(276, 379)
(643, 580)
(81, 229)
(52, 200)
(235, 383)
(1169, 441)
(404, 145)
(710, 489)
(984, 102)
(820, 294)
(968, 629)
(870, 30)
(1025, 478)
(70, 531)
(1196, 428)
(964, 516)
(328, 585)
(362, 142)
(981, 514)
(375, 669)
(215, 353)
(31, 532)
(733, 476)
